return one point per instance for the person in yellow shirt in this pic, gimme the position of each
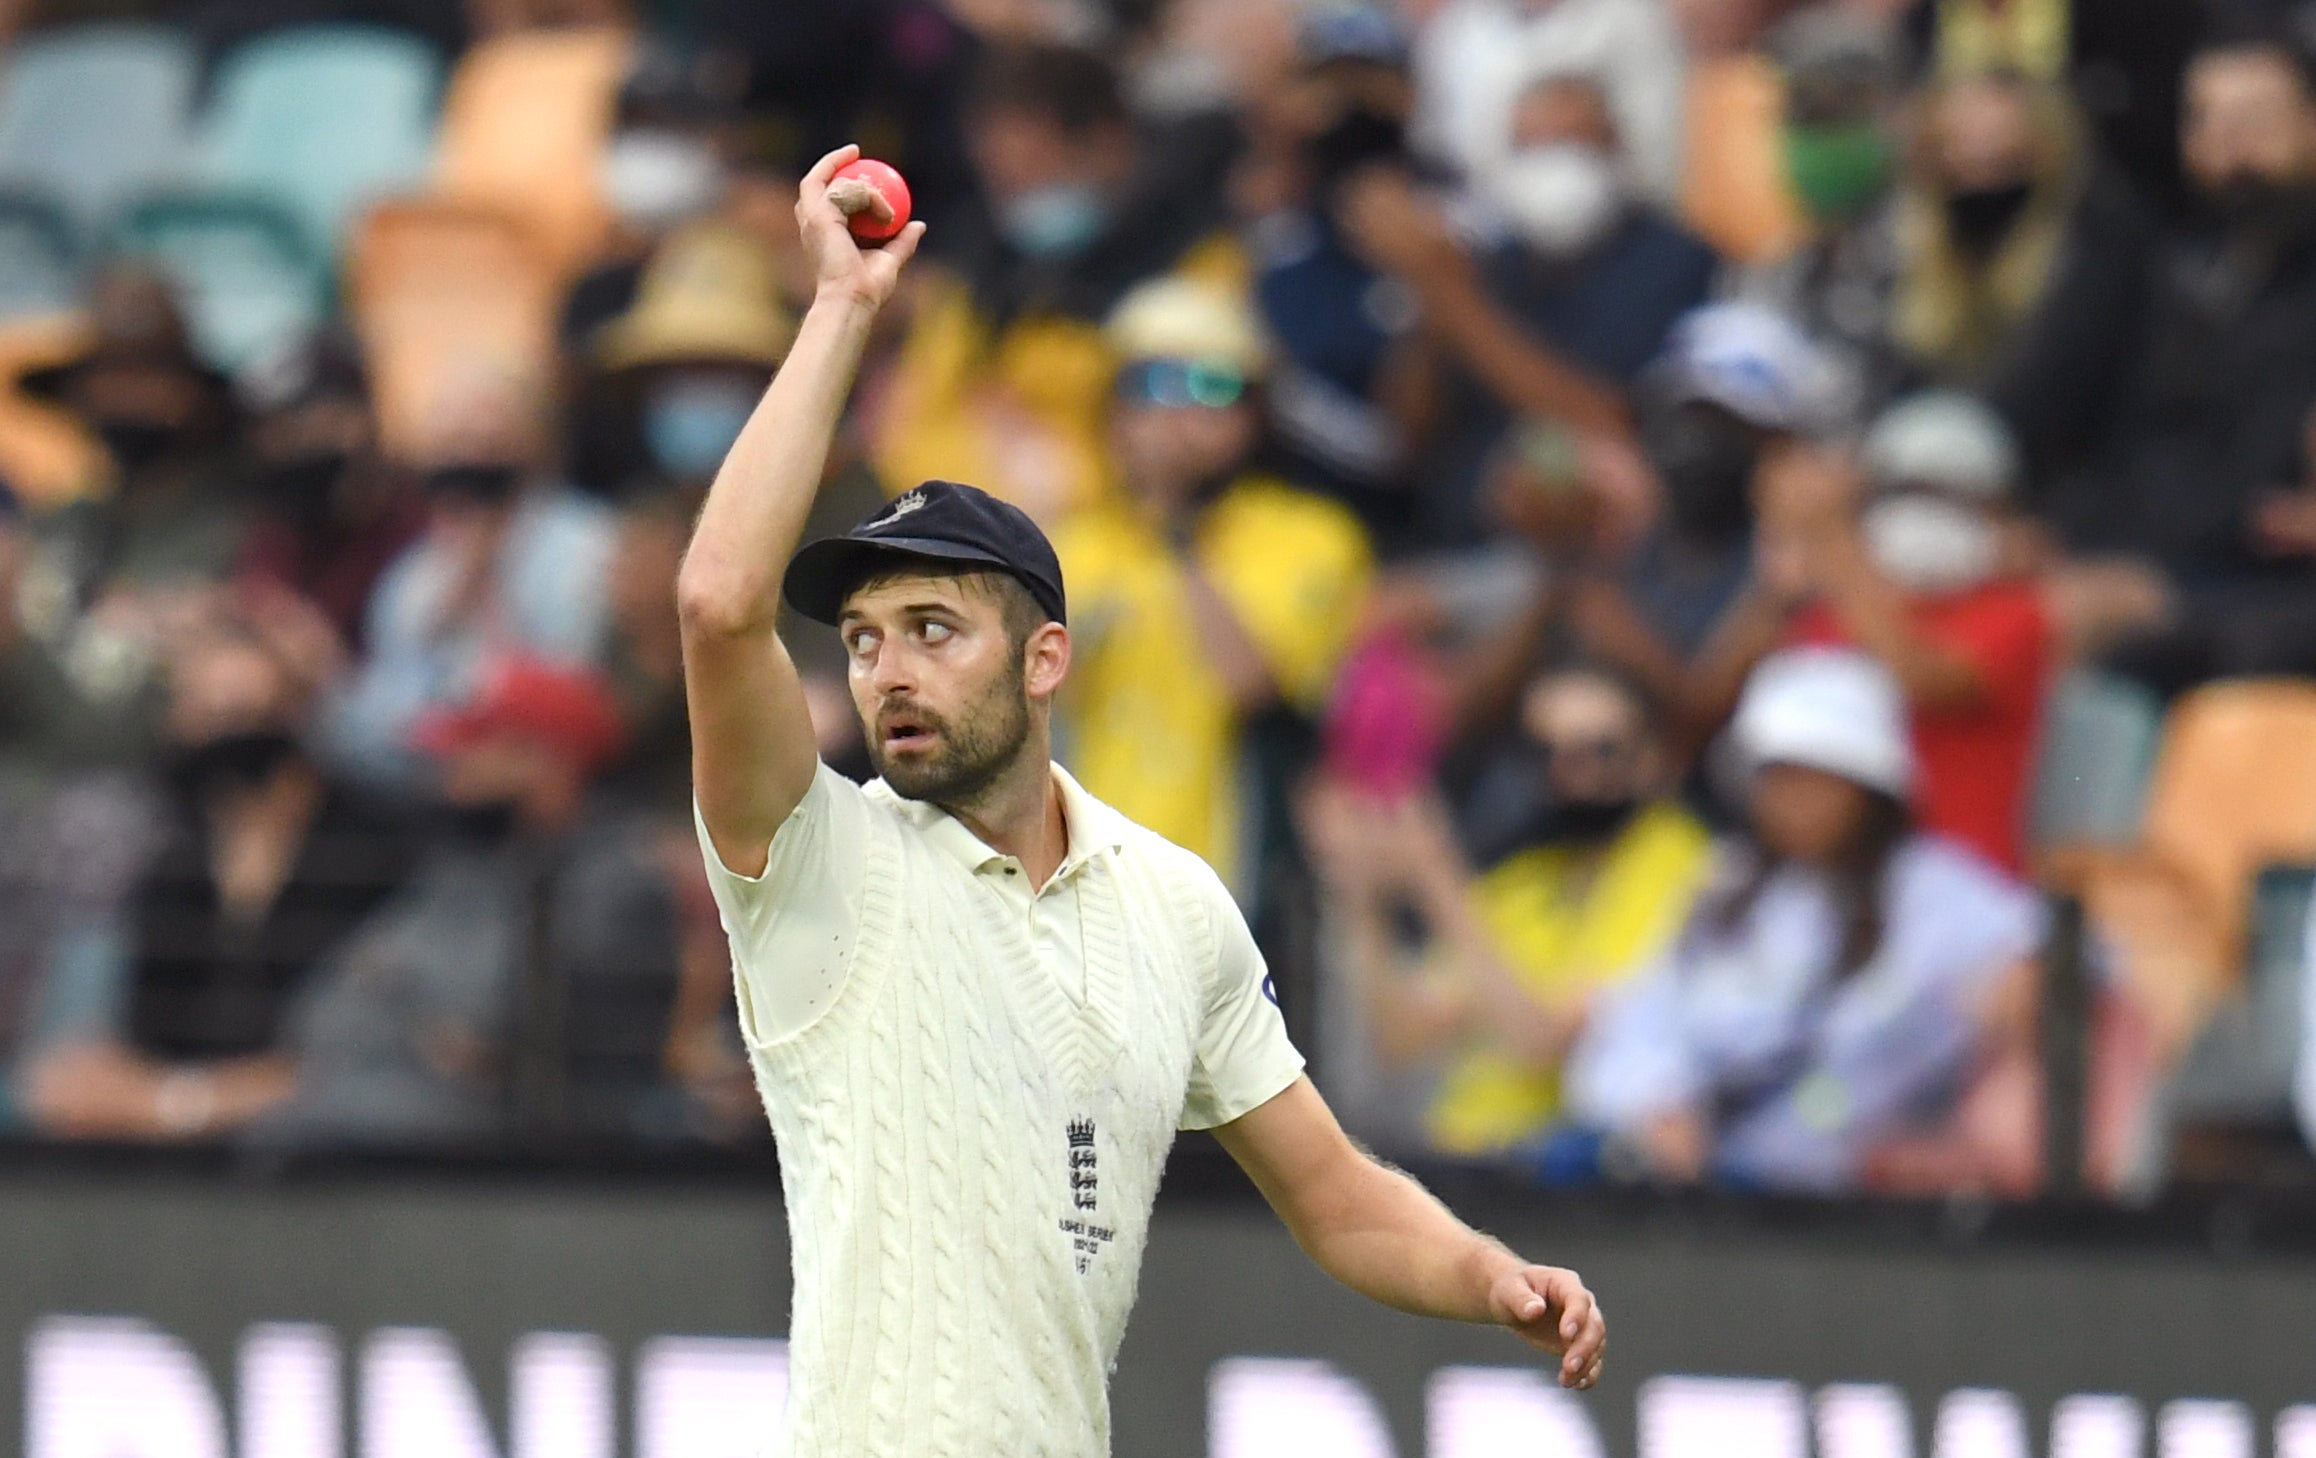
(1000, 374)
(1203, 593)
(1499, 983)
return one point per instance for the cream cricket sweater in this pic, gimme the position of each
(974, 1085)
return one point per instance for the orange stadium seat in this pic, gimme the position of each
(523, 127)
(44, 454)
(441, 289)
(2234, 791)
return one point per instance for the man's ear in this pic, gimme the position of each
(1046, 660)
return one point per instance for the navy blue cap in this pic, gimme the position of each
(1369, 33)
(940, 521)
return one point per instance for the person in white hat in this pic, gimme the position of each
(1829, 992)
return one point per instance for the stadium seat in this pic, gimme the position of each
(2099, 738)
(93, 114)
(44, 454)
(39, 262)
(247, 277)
(323, 119)
(2230, 1102)
(523, 127)
(2234, 791)
(440, 290)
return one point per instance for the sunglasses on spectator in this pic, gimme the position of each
(1178, 383)
(1604, 753)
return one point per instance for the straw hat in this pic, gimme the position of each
(709, 295)
(1183, 318)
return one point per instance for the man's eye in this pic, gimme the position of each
(937, 632)
(860, 642)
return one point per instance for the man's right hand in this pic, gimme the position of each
(842, 267)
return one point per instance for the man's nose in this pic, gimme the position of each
(891, 671)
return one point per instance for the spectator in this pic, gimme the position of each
(1840, 147)
(2209, 419)
(1636, 561)
(2020, 258)
(2123, 58)
(696, 350)
(1206, 594)
(1560, 308)
(1925, 573)
(331, 513)
(266, 865)
(669, 162)
(511, 562)
(1474, 57)
(170, 523)
(1736, 382)
(1343, 331)
(1001, 375)
(411, 1033)
(1828, 992)
(1511, 958)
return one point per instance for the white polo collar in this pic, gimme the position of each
(1093, 828)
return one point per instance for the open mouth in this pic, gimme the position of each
(903, 733)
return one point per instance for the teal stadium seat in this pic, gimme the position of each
(2100, 734)
(248, 278)
(39, 257)
(94, 114)
(324, 120)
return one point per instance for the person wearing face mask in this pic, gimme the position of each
(1344, 333)
(1211, 593)
(266, 864)
(1473, 58)
(1511, 956)
(1736, 383)
(1564, 293)
(2022, 260)
(1912, 556)
(406, 1032)
(1591, 265)
(170, 516)
(2206, 419)
(697, 348)
(511, 560)
(1839, 149)
(1001, 370)
(331, 517)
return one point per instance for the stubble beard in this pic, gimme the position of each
(975, 750)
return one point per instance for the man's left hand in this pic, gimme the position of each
(1549, 1309)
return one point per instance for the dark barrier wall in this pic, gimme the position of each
(156, 1314)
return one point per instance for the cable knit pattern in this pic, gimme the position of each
(953, 1297)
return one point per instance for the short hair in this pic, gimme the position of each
(1627, 685)
(2239, 29)
(1074, 89)
(1017, 605)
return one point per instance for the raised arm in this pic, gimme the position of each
(1383, 1235)
(752, 746)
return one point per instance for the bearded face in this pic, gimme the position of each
(938, 677)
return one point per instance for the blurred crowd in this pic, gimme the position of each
(1664, 548)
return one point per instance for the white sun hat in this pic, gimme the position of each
(1831, 709)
